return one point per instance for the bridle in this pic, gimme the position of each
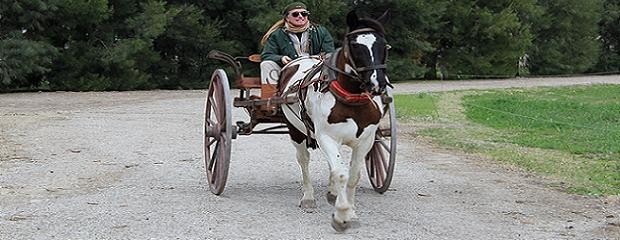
(357, 70)
(347, 52)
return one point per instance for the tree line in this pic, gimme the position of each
(145, 44)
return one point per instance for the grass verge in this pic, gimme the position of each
(571, 134)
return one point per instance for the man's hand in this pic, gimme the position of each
(285, 60)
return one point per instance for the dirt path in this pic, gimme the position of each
(129, 165)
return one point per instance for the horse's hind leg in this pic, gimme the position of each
(303, 158)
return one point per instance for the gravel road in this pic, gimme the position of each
(128, 165)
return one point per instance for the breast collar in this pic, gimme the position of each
(341, 94)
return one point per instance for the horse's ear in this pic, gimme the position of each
(385, 17)
(352, 19)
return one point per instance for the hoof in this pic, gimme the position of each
(331, 199)
(308, 205)
(340, 227)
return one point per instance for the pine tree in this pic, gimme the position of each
(24, 57)
(609, 60)
(566, 37)
(482, 39)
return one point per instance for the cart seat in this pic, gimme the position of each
(250, 82)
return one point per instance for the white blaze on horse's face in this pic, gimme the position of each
(368, 40)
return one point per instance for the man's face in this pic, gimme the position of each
(297, 17)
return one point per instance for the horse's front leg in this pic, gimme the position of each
(354, 179)
(357, 163)
(339, 176)
(308, 203)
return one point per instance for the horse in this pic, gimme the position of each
(343, 111)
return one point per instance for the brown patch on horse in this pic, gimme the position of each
(286, 75)
(296, 135)
(362, 115)
(299, 137)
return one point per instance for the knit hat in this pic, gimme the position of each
(294, 5)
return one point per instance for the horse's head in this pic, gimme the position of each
(366, 48)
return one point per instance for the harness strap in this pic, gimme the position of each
(361, 30)
(305, 118)
(370, 68)
(301, 88)
(335, 69)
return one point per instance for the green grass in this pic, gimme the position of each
(418, 106)
(581, 120)
(570, 134)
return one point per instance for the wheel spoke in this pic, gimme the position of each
(214, 156)
(216, 110)
(380, 169)
(213, 140)
(384, 160)
(211, 122)
(384, 145)
(211, 101)
(371, 164)
(214, 173)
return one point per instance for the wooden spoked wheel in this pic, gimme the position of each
(218, 131)
(380, 160)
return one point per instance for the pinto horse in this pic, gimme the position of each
(343, 111)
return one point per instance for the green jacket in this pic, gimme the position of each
(280, 44)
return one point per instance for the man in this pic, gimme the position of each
(292, 37)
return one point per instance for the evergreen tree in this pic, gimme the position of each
(23, 62)
(451, 39)
(412, 31)
(482, 39)
(107, 45)
(183, 47)
(609, 60)
(143, 44)
(24, 58)
(566, 37)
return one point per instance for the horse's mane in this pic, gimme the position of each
(370, 23)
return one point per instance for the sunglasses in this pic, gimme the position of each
(303, 14)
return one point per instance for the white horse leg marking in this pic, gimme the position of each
(358, 155)
(357, 160)
(303, 158)
(331, 151)
(339, 171)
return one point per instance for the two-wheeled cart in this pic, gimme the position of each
(219, 130)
